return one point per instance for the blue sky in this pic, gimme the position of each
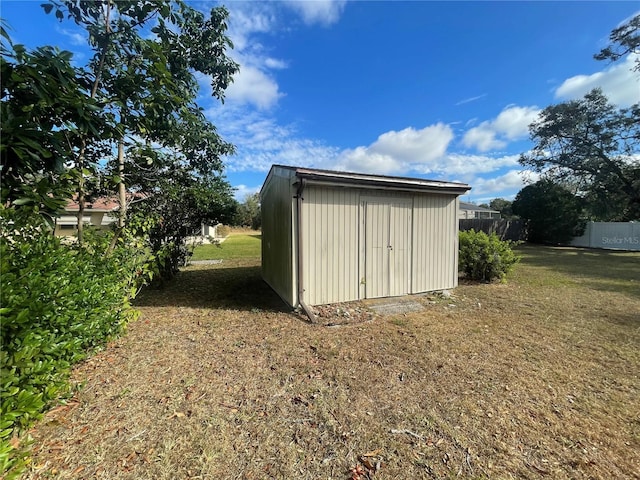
(439, 90)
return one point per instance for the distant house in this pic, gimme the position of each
(471, 211)
(101, 213)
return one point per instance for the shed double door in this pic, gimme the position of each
(387, 236)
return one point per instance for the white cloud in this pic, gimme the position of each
(252, 85)
(398, 151)
(247, 19)
(414, 146)
(362, 159)
(243, 120)
(618, 82)
(243, 191)
(465, 165)
(511, 124)
(261, 141)
(470, 122)
(423, 152)
(483, 138)
(75, 37)
(324, 12)
(512, 181)
(470, 99)
(274, 63)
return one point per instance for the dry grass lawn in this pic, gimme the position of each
(536, 378)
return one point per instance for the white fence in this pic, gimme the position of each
(610, 235)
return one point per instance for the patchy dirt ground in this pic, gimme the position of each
(537, 378)
(343, 314)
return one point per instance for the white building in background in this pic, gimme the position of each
(472, 211)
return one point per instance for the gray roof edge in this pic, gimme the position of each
(363, 179)
(474, 207)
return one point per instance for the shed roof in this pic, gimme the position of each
(384, 182)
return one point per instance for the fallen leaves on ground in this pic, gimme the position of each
(218, 379)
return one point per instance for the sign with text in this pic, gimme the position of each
(611, 235)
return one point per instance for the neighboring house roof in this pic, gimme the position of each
(476, 208)
(331, 177)
(102, 204)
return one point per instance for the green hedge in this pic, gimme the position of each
(485, 257)
(58, 302)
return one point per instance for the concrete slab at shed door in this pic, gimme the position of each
(387, 237)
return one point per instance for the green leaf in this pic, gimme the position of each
(47, 7)
(23, 201)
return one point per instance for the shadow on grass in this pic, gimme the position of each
(598, 269)
(627, 320)
(214, 286)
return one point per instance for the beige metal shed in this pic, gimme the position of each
(334, 236)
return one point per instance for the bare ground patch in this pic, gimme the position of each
(538, 378)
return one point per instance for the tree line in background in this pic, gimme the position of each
(587, 153)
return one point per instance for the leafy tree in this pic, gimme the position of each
(554, 214)
(503, 206)
(249, 212)
(148, 84)
(593, 146)
(624, 40)
(46, 112)
(181, 202)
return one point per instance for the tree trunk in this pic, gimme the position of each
(83, 148)
(81, 201)
(122, 191)
(122, 197)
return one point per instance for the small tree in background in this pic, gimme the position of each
(503, 206)
(553, 213)
(182, 203)
(248, 214)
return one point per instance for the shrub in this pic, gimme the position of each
(58, 303)
(485, 257)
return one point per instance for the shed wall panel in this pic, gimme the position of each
(387, 238)
(435, 243)
(330, 241)
(400, 253)
(278, 246)
(333, 230)
(376, 258)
